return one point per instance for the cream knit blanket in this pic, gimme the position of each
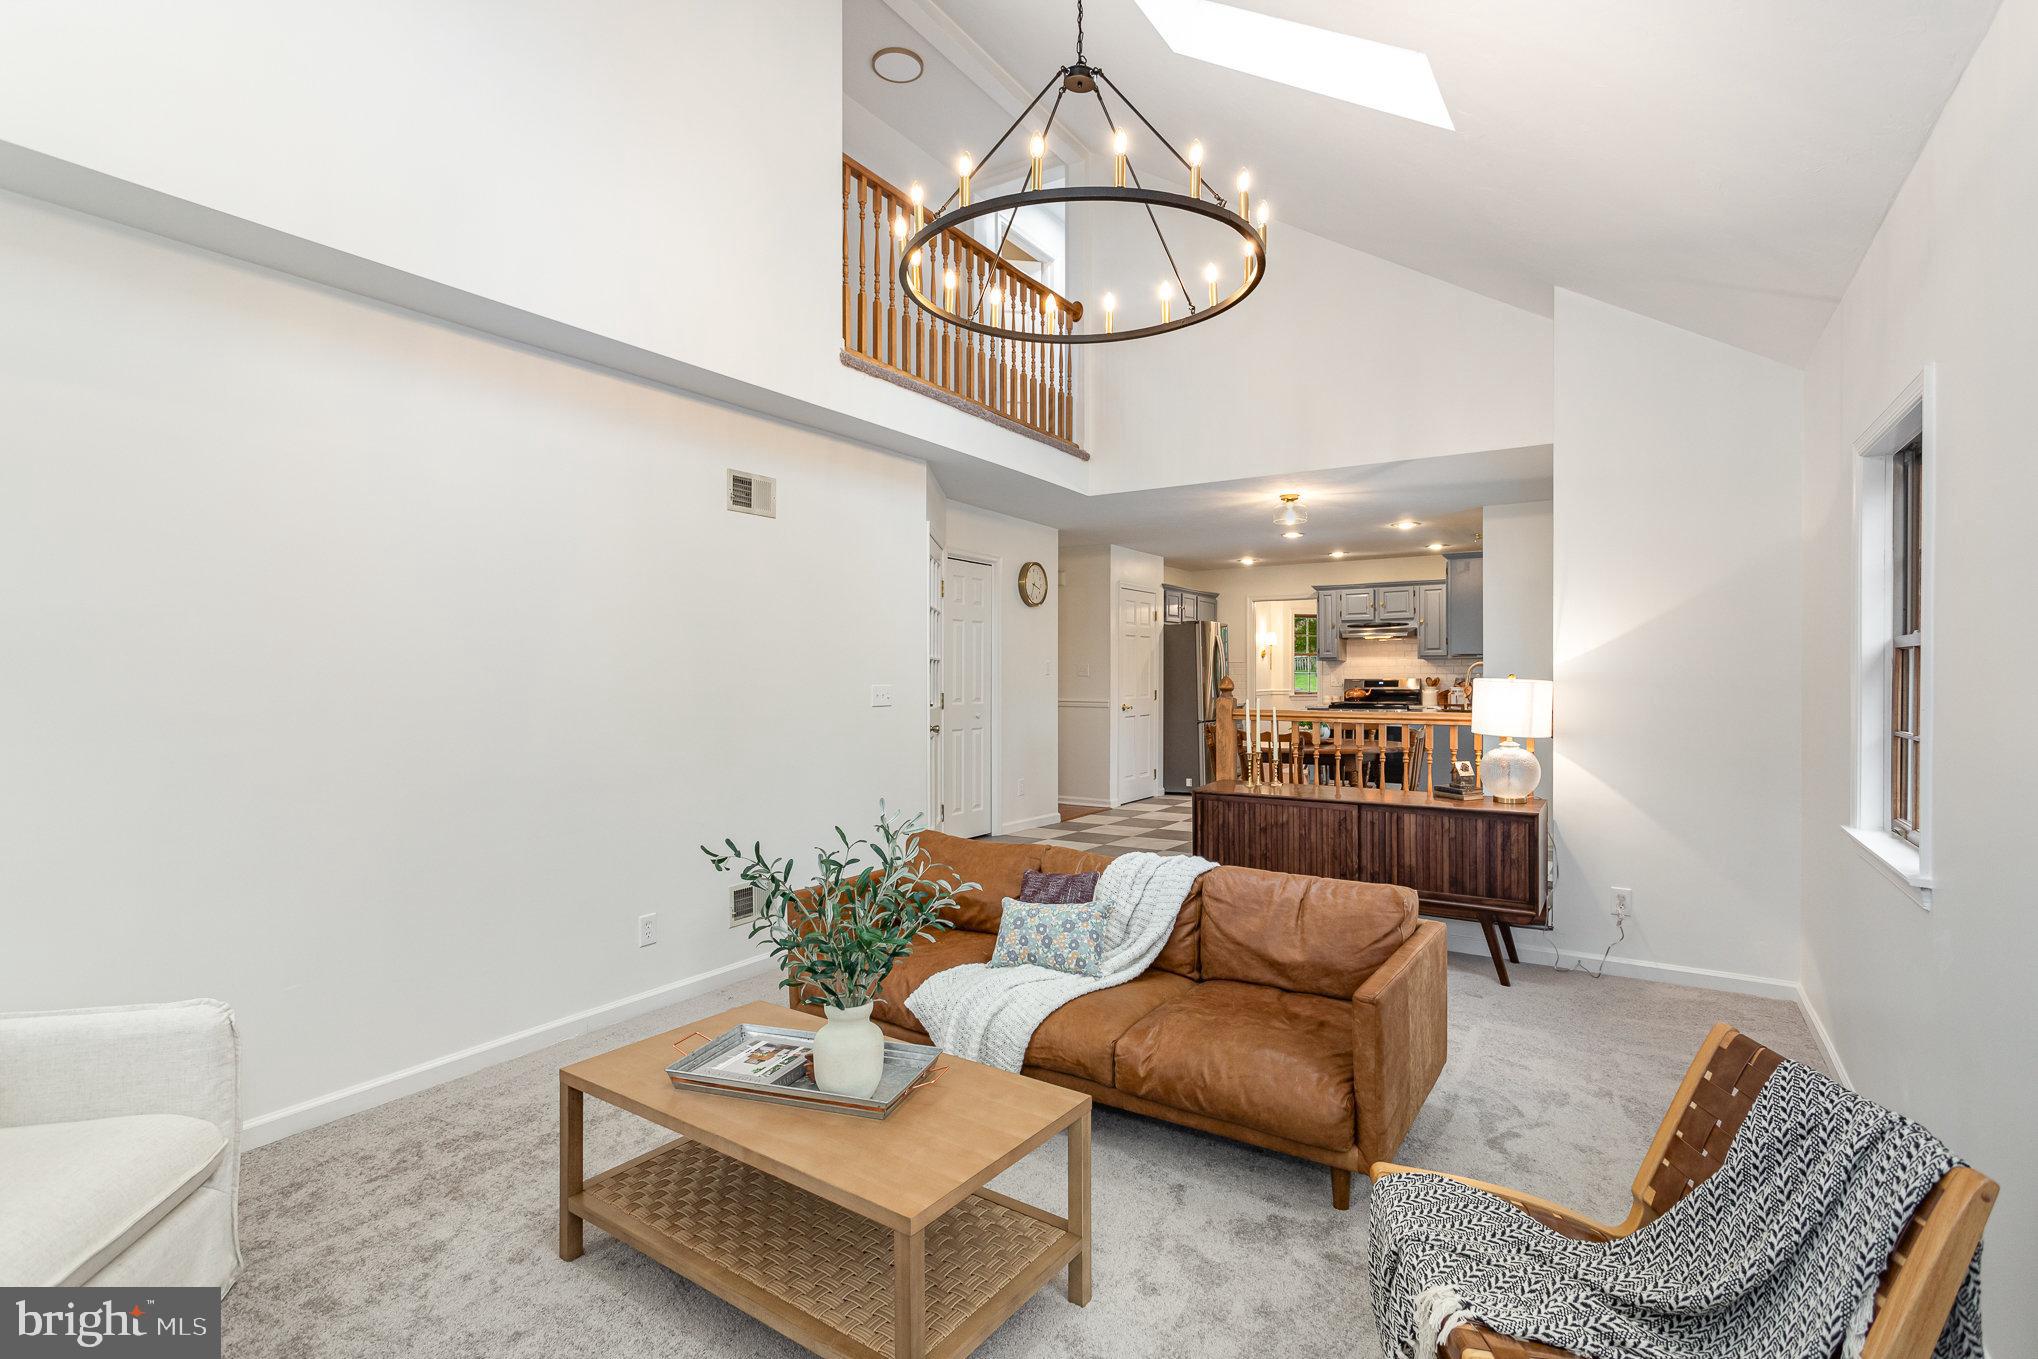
(988, 1014)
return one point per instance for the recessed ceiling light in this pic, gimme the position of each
(1356, 70)
(1435, 547)
(1405, 524)
(1292, 533)
(1247, 561)
(899, 65)
(1335, 555)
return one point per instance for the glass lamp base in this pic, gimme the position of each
(1510, 773)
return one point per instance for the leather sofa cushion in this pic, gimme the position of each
(1178, 955)
(950, 948)
(1256, 1056)
(1324, 936)
(1080, 1038)
(73, 1196)
(999, 869)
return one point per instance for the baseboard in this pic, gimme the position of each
(1818, 1027)
(1775, 988)
(265, 1128)
(1085, 801)
(1029, 823)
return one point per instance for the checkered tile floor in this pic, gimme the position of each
(1160, 824)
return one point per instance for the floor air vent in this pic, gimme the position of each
(752, 494)
(742, 905)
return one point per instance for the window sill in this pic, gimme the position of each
(1896, 859)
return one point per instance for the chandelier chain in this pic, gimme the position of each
(1079, 34)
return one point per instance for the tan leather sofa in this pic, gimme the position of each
(1304, 1015)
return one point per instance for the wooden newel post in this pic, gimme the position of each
(1224, 734)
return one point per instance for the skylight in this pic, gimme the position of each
(1358, 71)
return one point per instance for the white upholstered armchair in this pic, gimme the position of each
(119, 1146)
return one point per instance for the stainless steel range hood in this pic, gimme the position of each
(1375, 632)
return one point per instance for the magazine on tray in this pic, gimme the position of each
(767, 1061)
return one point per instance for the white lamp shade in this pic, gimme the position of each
(1511, 707)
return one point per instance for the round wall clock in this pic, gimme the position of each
(1033, 584)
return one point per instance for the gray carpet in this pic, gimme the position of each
(428, 1226)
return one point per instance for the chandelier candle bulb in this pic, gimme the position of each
(948, 286)
(962, 173)
(919, 197)
(1038, 149)
(1264, 217)
(1110, 310)
(1252, 257)
(1245, 194)
(1118, 145)
(914, 260)
(899, 227)
(1210, 277)
(1162, 294)
(1195, 169)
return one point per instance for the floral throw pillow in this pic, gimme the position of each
(1057, 887)
(1067, 938)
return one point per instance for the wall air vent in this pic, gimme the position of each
(752, 494)
(742, 905)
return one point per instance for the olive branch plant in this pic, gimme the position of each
(842, 932)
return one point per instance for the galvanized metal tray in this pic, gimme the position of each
(907, 1067)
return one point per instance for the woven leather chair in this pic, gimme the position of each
(1925, 1270)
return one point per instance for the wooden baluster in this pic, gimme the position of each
(1478, 760)
(862, 211)
(891, 284)
(847, 323)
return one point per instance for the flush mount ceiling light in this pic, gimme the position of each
(1292, 533)
(899, 65)
(961, 295)
(1292, 514)
(1356, 70)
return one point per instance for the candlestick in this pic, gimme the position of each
(1245, 194)
(962, 173)
(1195, 169)
(1038, 148)
(919, 197)
(1118, 145)
(1210, 277)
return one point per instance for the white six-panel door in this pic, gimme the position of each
(1138, 713)
(966, 713)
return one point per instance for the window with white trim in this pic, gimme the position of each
(1907, 641)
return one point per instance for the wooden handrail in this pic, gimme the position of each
(1024, 384)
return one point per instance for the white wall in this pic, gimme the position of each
(609, 183)
(374, 676)
(1675, 568)
(1517, 596)
(1338, 359)
(1025, 698)
(1932, 1012)
(1084, 690)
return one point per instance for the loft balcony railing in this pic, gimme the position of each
(1023, 385)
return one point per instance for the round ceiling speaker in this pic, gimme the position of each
(899, 65)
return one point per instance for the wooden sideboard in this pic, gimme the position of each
(1475, 860)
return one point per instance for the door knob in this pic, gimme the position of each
(1125, 707)
(936, 727)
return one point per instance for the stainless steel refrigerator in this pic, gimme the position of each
(1193, 660)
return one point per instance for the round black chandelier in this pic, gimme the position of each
(992, 311)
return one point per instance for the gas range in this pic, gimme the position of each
(1379, 695)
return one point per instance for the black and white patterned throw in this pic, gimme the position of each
(1774, 1256)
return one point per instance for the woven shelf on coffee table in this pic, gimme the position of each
(806, 1251)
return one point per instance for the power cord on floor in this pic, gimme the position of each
(1622, 922)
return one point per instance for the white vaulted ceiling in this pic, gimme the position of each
(1720, 165)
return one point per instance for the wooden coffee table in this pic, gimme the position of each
(856, 1237)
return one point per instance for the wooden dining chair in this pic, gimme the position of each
(1917, 1288)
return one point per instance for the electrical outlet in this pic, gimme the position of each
(880, 695)
(1623, 902)
(1022, 788)
(647, 929)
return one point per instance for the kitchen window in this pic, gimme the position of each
(1305, 653)
(1893, 813)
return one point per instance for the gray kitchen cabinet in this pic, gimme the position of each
(1464, 604)
(1171, 605)
(1394, 604)
(1187, 606)
(1432, 610)
(1329, 646)
(1355, 607)
(1206, 608)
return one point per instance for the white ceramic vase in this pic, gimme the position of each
(849, 1052)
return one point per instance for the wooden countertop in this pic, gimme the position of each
(1388, 797)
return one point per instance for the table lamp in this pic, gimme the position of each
(1511, 708)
